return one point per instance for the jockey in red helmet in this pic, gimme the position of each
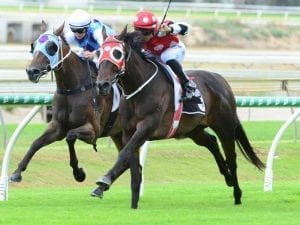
(163, 42)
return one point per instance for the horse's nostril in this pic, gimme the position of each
(105, 85)
(32, 72)
(29, 72)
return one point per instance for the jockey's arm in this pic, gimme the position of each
(181, 28)
(88, 54)
(99, 38)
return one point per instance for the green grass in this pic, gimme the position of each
(182, 185)
(191, 203)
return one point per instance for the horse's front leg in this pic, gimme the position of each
(85, 133)
(136, 178)
(106, 181)
(51, 134)
(128, 156)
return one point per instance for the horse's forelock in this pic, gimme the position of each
(135, 40)
(63, 38)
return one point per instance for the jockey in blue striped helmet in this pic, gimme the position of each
(87, 33)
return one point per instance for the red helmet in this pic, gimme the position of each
(145, 20)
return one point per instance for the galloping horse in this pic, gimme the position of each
(148, 112)
(77, 112)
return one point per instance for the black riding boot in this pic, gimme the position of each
(188, 86)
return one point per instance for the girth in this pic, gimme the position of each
(76, 90)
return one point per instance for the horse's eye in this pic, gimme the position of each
(117, 54)
(32, 46)
(51, 48)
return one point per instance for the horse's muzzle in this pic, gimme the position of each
(104, 87)
(35, 74)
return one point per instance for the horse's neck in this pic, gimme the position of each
(72, 73)
(138, 73)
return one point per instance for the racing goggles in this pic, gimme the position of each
(78, 30)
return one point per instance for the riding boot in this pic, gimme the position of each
(188, 86)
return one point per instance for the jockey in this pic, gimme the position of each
(163, 42)
(86, 33)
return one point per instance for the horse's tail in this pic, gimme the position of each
(246, 148)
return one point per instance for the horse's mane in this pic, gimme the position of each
(135, 41)
(62, 36)
(64, 39)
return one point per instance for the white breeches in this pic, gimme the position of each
(175, 52)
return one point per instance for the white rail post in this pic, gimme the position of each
(9, 147)
(3, 129)
(268, 184)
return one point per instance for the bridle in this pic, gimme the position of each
(51, 46)
(55, 58)
(113, 50)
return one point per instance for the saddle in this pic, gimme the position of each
(196, 104)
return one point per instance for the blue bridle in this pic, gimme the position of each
(41, 46)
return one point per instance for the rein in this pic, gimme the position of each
(80, 89)
(140, 88)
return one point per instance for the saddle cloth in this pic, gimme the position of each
(194, 106)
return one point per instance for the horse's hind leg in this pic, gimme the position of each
(51, 134)
(203, 138)
(229, 149)
(227, 140)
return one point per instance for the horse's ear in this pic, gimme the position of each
(44, 26)
(123, 33)
(59, 31)
(104, 34)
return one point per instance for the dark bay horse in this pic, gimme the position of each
(148, 112)
(77, 113)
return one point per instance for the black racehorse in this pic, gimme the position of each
(77, 112)
(148, 112)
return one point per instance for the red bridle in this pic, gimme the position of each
(113, 50)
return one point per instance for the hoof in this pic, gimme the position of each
(104, 183)
(15, 178)
(97, 192)
(237, 202)
(79, 175)
(135, 206)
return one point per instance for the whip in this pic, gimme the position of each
(166, 11)
(161, 33)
